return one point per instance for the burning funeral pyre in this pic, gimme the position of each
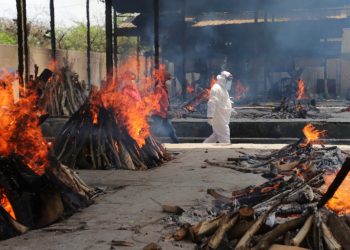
(35, 189)
(111, 131)
(298, 206)
(203, 96)
(291, 108)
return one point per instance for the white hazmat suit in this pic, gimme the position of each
(220, 109)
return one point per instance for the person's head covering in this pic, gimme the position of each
(225, 79)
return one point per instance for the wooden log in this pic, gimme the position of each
(284, 247)
(50, 207)
(266, 241)
(239, 229)
(329, 239)
(317, 232)
(207, 227)
(245, 240)
(340, 230)
(182, 232)
(346, 219)
(15, 225)
(304, 195)
(286, 166)
(247, 213)
(226, 224)
(237, 168)
(125, 157)
(296, 241)
(219, 197)
(172, 209)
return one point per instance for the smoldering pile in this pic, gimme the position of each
(289, 209)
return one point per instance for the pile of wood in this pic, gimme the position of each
(298, 156)
(90, 142)
(292, 110)
(30, 201)
(287, 210)
(63, 93)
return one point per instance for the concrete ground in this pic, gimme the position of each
(131, 211)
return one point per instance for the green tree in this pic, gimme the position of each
(72, 38)
(6, 38)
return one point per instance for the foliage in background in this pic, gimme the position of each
(72, 38)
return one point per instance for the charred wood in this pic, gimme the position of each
(340, 230)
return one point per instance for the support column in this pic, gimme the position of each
(52, 28)
(326, 94)
(183, 51)
(109, 42)
(88, 42)
(25, 41)
(20, 41)
(115, 40)
(156, 33)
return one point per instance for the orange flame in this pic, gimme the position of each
(271, 188)
(241, 90)
(312, 134)
(339, 203)
(190, 89)
(212, 81)
(133, 102)
(19, 130)
(301, 89)
(5, 203)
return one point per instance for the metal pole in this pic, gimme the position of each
(156, 33)
(20, 41)
(25, 42)
(115, 40)
(52, 27)
(88, 42)
(109, 43)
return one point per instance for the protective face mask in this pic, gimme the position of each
(228, 85)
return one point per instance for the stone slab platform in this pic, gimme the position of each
(243, 130)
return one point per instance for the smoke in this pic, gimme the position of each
(248, 38)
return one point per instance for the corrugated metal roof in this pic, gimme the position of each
(215, 19)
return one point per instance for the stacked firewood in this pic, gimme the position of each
(287, 210)
(97, 142)
(63, 93)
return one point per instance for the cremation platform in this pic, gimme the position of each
(243, 130)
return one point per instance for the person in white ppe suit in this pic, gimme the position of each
(220, 109)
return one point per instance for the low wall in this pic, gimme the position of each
(196, 130)
(41, 57)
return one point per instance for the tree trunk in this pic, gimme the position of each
(109, 43)
(25, 36)
(52, 27)
(20, 41)
(115, 40)
(156, 33)
(88, 43)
